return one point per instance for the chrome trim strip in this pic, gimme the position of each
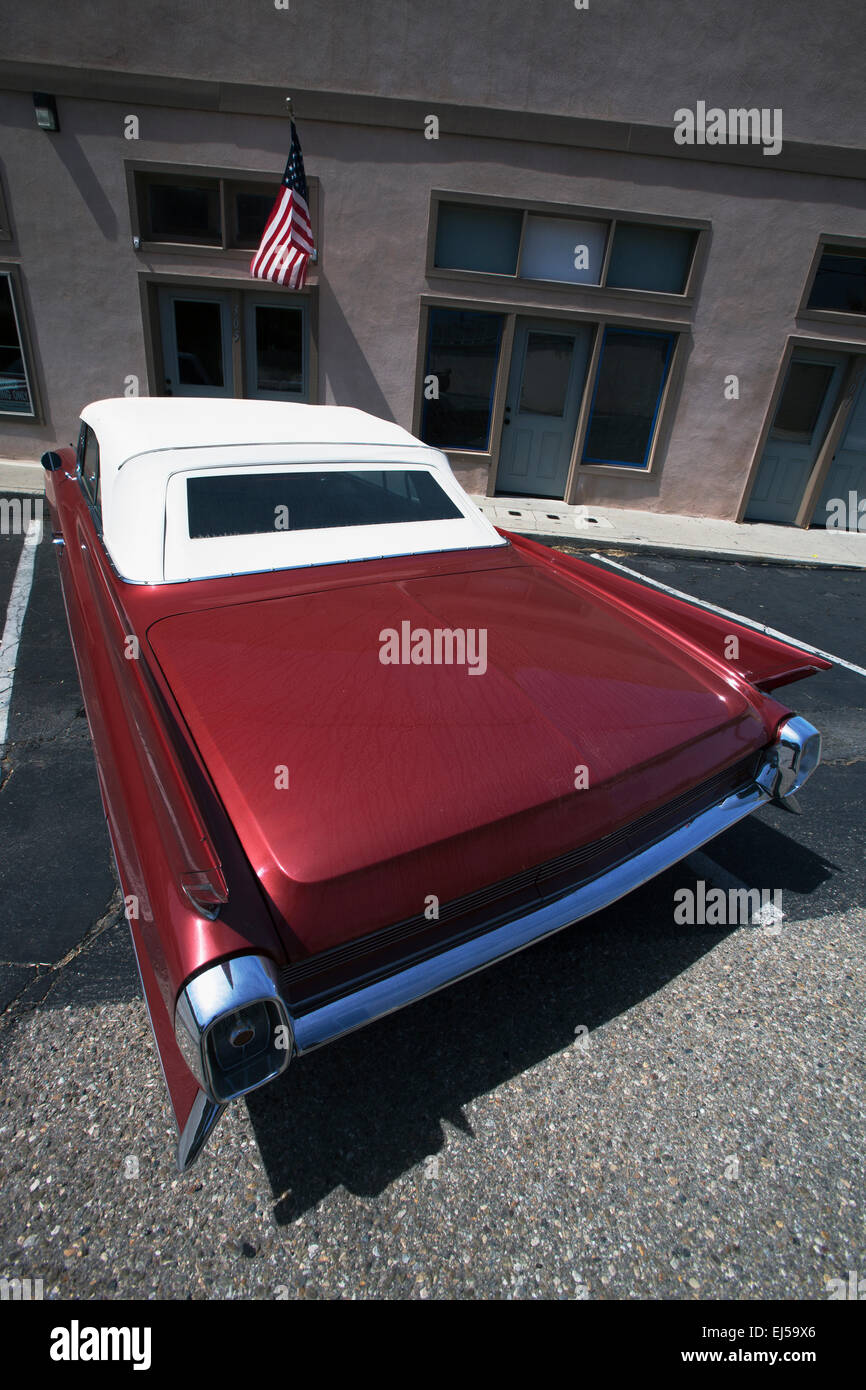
(341, 1016)
(791, 760)
(799, 745)
(797, 742)
(203, 1119)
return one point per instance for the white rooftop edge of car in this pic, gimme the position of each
(149, 447)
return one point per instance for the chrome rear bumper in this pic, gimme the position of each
(344, 1015)
(788, 763)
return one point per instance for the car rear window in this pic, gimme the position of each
(247, 504)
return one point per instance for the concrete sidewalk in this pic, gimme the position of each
(707, 537)
(21, 475)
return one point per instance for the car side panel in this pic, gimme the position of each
(149, 803)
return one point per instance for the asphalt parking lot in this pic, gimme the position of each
(635, 1109)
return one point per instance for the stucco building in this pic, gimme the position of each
(613, 254)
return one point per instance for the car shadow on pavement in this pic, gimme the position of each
(363, 1111)
(776, 849)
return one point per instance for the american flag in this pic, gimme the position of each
(287, 241)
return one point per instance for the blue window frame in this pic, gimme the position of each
(629, 383)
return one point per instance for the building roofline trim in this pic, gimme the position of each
(357, 108)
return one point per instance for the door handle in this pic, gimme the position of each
(168, 390)
(507, 415)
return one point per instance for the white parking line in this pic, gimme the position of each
(736, 617)
(18, 600)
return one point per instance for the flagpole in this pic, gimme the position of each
(290, 112)
(287, 245)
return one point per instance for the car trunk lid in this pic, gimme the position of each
(370, 782)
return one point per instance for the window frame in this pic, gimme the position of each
(93, 505)
(600, 319)
(141, 173)
(845, 316)
(88, 435)
(35, 416)
(569, 212)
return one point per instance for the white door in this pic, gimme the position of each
(848, 470)
(275, 348)
(799, 429)
(548, 371)
(195, 327)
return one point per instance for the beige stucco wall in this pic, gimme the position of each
(69, 207)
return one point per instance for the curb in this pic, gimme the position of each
(27, 478)
(684, 552)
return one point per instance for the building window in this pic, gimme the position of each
(249, 211)
(275, 346)
(802, 400)
(629, 384)
(546, 374)
(201, 348)
(477, 238)
(179, 211)
(462, 361)
(560, 248)
(16, 392)
(840, 281)
(645, 257)
(220, 212)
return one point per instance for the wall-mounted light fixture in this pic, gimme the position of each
(46, 111)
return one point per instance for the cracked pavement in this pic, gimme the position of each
(705, 1142)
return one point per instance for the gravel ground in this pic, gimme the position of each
(702, 1139)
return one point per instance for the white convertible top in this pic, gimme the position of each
(127, 426)
(148, 446)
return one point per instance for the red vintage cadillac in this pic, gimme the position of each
(353, 742)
